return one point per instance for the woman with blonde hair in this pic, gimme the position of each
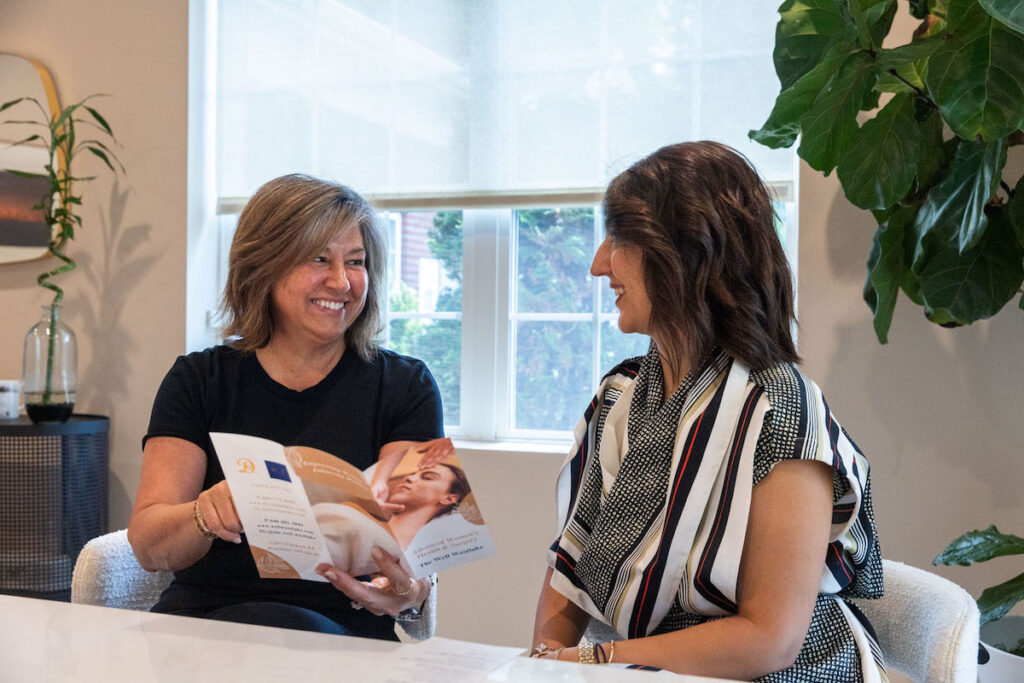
(716, 518)
(305, 282)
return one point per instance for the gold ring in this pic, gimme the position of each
(405, 592)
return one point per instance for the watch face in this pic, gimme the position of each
(409, 614)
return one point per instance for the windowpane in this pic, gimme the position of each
(553, 252)
(617, 347)
(438, 343)
(426, 261)
(553, 373)
(425, 276)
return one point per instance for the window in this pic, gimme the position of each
(484, 131)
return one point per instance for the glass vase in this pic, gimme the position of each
(50, 368)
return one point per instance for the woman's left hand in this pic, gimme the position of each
(390, 593)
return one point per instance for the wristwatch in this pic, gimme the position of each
(408, 615)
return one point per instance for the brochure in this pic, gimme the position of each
(301, 506)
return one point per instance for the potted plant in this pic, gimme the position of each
(1006, 634)
(929, 164)
(50, 360)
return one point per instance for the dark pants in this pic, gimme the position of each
(280, 615)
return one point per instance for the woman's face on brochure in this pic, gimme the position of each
(429, 487)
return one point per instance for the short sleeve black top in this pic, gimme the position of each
(357, 408)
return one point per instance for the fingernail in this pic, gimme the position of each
(378, 554)
(331, 575)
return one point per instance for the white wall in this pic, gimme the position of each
(126, 300)
(938, 412)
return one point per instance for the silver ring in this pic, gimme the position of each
(356, 605)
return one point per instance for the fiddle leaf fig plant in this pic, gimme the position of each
(929, 162)
(979, 546)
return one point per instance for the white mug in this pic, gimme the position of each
(10, 397)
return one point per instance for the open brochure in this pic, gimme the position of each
(300, 507)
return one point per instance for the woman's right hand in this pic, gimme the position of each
(391, 592)
(217, 509)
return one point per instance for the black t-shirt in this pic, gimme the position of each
(357, 408)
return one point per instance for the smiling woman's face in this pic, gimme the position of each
(623, 265)
(320, 299)
(429, 487)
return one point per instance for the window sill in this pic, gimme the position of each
(545, 448)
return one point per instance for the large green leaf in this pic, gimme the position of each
(996, 601)
(879, 17)
(881, 164)
(806, 30)
(919, 8)
(829, 126)
(955, 209)
(1015, 211)
(939, 8)
(1009, 12)
(911, 52)
(958, 11)
(980, 546)
(902, 69)
(973, 285)
(887, 267)
(977, 77)
(935, 153)
(783, 124)
(872, 19)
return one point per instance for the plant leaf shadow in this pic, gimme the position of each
(111, 274)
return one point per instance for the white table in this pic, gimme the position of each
(42, 640)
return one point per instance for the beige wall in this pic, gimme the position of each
(126, 300)
(938, 412)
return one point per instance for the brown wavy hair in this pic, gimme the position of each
(288, 221)
(714, 269)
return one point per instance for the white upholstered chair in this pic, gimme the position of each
(927, 626)
(107, 574)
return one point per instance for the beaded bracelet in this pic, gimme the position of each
(201, 523)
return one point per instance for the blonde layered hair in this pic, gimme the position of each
(289, 221)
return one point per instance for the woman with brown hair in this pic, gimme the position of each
(305, 281)
(715, 516)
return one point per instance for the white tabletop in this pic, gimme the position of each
(41, 640)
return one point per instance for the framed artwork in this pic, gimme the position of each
(23, 233)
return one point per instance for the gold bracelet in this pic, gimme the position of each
(201, 523)
(585, 651)
(541, 649)
(611, 651)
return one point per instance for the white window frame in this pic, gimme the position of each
(489, 317)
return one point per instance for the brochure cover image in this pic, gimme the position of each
(300, 506)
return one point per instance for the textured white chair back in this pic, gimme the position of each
(927, 626)
(107, 573)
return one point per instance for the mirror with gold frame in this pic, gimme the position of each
(24, 234)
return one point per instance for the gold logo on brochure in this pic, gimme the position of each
(245, 465)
